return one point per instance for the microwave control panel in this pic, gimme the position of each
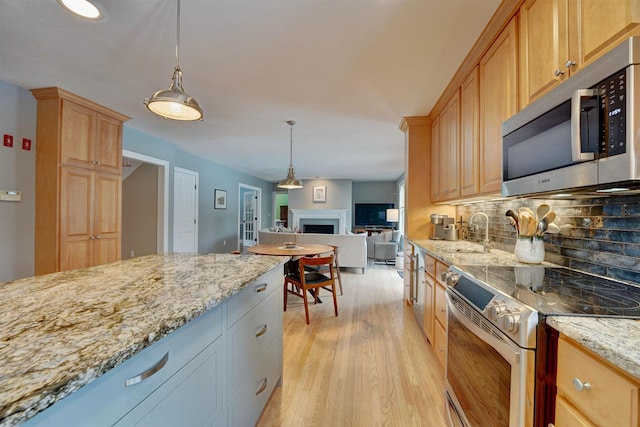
(613, 110)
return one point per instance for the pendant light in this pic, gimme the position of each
(290, 182)
(174, 103)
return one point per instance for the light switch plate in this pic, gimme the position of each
(10, 195)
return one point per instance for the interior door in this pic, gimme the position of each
(185, 211)
(250, 219)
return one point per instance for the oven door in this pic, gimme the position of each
(489, 378)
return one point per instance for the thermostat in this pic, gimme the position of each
(9, 195)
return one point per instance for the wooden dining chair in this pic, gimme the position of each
(311, 281)
(336, 265)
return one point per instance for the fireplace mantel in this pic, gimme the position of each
(339, 214)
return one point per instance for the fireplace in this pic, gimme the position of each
(301, 217)
(318, 228)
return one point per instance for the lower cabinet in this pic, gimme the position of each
(591, 392)
(436, 314)
(217, 370)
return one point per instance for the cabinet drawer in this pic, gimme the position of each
(440, 270)
(192, 397)
(612, 398)
(106, 399)
(254, 293)
(430, 265)
(251, 337)
(441, 305)
(248, 402)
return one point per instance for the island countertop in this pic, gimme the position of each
(60, 331)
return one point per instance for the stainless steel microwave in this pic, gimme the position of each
(582, 136)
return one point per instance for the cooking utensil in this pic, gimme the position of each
(542, 210)
(513, 219)
(550, 217)
(553, 229)
(542, 227)
(565, 229)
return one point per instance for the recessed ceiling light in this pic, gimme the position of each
(560, 195)
(82, 8)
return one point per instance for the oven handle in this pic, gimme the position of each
(496, 339)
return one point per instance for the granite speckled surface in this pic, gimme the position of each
(616, 340)
(60, 331)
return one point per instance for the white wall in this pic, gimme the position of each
(17, 172)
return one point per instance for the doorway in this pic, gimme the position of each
(136, 240)
(249, 215)
(185, 210)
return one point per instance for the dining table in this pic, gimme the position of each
(294, 252)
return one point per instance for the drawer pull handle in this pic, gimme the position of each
(263, 387)
(580, 386)
(261, 288)
(146, 374)
(262, 331)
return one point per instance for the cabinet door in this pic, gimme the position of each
(106, 219)
(429, 312)
(108, 147)
(76, 213)
(436, 194)
(440, 344)
(567, 415)
(469, 138)
(498, 102)
(544, 47)
(77, 147)
(449, 149)
(599, 25)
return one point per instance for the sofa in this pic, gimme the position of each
(353, 247)
(384, 246)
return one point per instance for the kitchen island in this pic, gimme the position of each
(62, 331)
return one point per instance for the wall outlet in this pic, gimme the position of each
(224, 242)
(132, 253)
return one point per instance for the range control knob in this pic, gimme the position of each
(509, 320)
(452, 279)
(495, 308)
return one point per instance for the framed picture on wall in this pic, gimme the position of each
(219, 199)
(320, 194)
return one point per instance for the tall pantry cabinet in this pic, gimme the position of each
(78, 182)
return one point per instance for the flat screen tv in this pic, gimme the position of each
(372, 214)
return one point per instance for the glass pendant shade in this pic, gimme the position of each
(174, 103)
(290, 182)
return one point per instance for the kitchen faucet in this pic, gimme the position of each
(485, 243)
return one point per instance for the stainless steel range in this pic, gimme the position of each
(501, 354)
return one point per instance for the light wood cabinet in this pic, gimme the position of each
(591, 391)
(78, 182)
(446, 149)
(559, 37)
(469, 137)
(436, 170)
(498, 102)
(430, 284)
(436, 308)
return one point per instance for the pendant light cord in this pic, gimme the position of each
(178, 37)
(291, 147)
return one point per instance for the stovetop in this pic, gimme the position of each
(561, 291)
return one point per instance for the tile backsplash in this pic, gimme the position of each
(604, 237)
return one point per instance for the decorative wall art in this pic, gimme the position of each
(219, 199)
(320, 194)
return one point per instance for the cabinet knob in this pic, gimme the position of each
(558, 72)
(569, 63)
(92, 237)
(580, 386)
(98, 236)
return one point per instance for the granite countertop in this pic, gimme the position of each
(616, 340)
(61, 331)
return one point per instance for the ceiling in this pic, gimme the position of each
(346, 71)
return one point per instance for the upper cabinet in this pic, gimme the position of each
(498, 102)
(559, 37)
(445, 152)
(469, 136)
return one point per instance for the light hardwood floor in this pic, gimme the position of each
(370, 366)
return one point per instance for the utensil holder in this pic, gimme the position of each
(529, 250)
